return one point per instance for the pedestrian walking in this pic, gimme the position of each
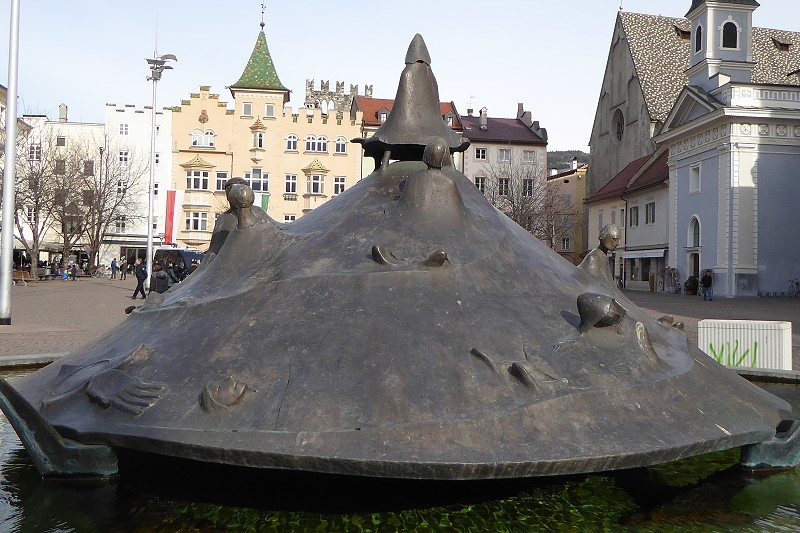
(123, 271)
(114, 268)
(706, 282)
(141, 274)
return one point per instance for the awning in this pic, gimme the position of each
(634, 254)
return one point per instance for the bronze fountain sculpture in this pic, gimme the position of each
(407, 329)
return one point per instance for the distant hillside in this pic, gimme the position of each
(563, 160)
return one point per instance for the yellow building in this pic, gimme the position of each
(294, 160)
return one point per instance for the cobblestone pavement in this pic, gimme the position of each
(56, 317)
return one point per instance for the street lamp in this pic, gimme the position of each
(158, 65)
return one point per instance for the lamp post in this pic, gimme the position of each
(158, 65)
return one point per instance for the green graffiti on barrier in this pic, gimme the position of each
(731, 357)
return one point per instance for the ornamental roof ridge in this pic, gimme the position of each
(197, 162)
(317, 166)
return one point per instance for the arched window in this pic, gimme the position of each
(208, 138)
(258, 140)
(197, 138)
(730, 35)
(322, 144)
(311, 144)
(341, 145)
(291, 142)
(694, 233)
(619, 125)
(698, 39)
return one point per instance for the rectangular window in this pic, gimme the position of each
(157, 159)
(291, 183)
(247, 109)
(527, 187)
(61, 167)
(289, 218)
(480, 153)
(480, 183)
(155, 189)
(196, 221)
(123, 129)
(197, 179)
(600, 220)
(694, 178)
(35, 152)
(528, 156)
(316, 184)
(650, 213)
(634, 216)
(565, 244)
(88, 168)
(222, 177)
(613, 217)
(88, 197)
(338, 184)
(567, 199)
(122, 159)
(269, 110)
(30, 215)
(258, 182)
(504, 155)
(119, 224)
(503, 186)
(122, 186)
(61, 140)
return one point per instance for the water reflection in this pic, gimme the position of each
(705, 494)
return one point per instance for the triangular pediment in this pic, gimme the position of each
(692, 103)
(315, 166)
(197, 162)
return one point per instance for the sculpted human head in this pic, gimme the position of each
(609, 237)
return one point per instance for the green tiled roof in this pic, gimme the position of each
(260, 71)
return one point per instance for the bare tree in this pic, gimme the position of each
(521, 191)
(35, 192)
(111, 191)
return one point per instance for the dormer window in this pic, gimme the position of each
(783, 47)
(683, 34)
(730, 35)
(698, 39)
(383, 114)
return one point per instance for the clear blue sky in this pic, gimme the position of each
(547, 54)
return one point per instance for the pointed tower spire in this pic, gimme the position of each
(260, 73)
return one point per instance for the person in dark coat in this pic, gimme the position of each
(114, 268)
(159, 281)
(141, 274)
(123, 269)
(706, 282)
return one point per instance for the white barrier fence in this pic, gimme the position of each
(747, 343)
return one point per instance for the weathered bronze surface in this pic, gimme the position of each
(405, 329)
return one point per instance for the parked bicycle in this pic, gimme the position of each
(794, 288)
(101, 272)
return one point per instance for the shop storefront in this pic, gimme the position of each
(644, 269)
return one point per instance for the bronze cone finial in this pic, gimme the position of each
(416, 117)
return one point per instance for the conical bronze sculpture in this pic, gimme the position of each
(407, 329)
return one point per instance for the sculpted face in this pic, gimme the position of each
(609, 237)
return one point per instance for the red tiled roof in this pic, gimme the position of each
(618, 183)
(656, 172)
(370, 107)
(502, 130)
